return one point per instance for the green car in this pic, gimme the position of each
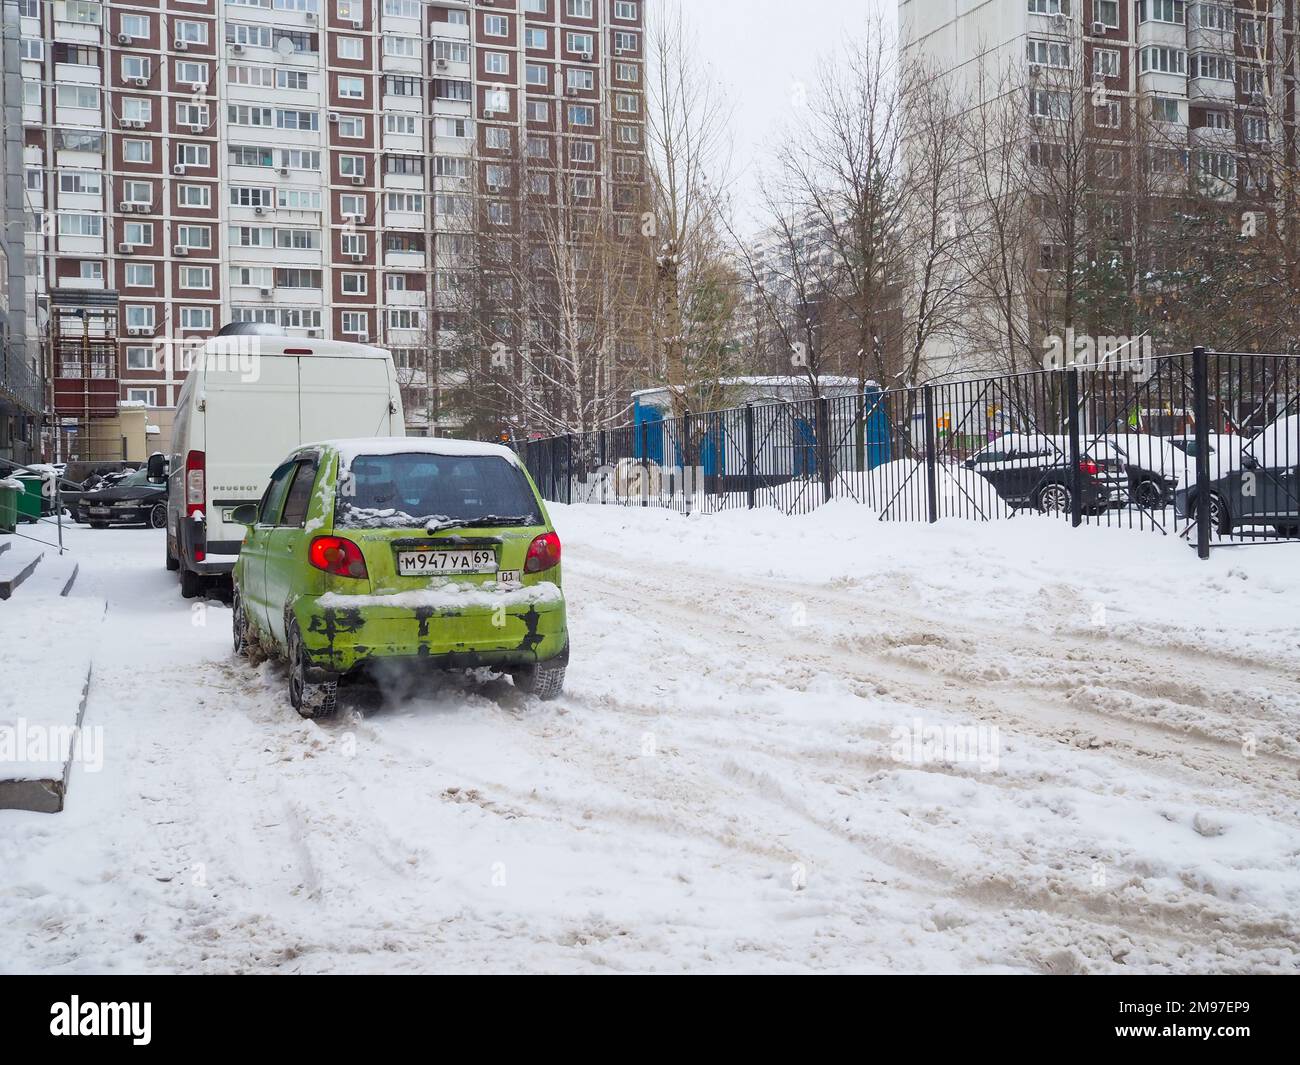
(423, 550)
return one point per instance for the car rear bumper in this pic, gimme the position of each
(341, 638)
(116, 515)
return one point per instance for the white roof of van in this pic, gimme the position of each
(253, 344)
(408, 445)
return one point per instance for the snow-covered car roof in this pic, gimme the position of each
(413, 445)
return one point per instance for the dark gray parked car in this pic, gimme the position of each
(1260, 487)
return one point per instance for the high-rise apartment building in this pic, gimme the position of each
(307, 163)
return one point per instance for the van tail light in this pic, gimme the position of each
(195, 495)
(543, 553)
(1089, 467)
(338, 556)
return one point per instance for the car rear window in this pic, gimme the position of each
(417, 489)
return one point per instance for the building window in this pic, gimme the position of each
(537, 38)
(497, 138)
(1163, 60)
(134, 25)
(1105, 63)
(403, 47)
(139, 357)
(583, 44)
(581, 115)
(353, 48)
(496, 26)
(353, 127)
(147, 396)
(196, 318)
(582, 152)
(81, 225)
(1161, 11)
(577, 8)
(139, 275)
(539, 111)
(401, 123)
(135, 67)
(139, 315)
(353, 284)
(1048, 53)
(352, 88)
(194, 236)
(496, 63)
(137, 233)
(356, 323)
(1165, 109)
(192, 277)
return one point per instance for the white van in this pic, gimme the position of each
(249, 400)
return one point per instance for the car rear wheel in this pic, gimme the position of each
(543, 679)
(1148, 494)
(99, 525)
(1054, 499)
(158, 516)
(310, 699)
(173, 563)
(238, 624)
(1220, 517)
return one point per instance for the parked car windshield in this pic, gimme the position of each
(418, 489)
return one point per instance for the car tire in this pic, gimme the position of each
(191, 583)
(311, 700)
(1220, 516)
(158, 516)
(172, 562)
(542, 679)
(1289, 531)
(99, 525)
(1053, 499)
(238, 623)
(1149, 495)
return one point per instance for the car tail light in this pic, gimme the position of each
(543, 553)
(338, 556)
(1089, 467)
(195, 496)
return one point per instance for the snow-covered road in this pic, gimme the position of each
(729, 782)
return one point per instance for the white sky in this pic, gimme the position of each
(759, 50)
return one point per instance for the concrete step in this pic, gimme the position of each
(18, 563)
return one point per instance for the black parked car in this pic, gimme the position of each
(132, 500)
(1257, 485)
(1032, 470)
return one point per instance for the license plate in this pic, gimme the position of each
(100, 510)
(417, 563)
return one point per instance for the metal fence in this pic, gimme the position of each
(1201, 445)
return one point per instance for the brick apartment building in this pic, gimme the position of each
(306, 163)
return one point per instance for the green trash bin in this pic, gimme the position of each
(8, 506)
(29, 502)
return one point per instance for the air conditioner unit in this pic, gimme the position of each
(311, 16)
(619, 51)
(126, 205)
(125, 249)
(358, 179)
(180, 249)
(196, 127)
(142, 83)
(265, 291)
(357, 24)
(1099, 29)
(334, 116)
(125, 38)
(237, 48)
(571, 91)
(357, 257)
(313, 332)
(132, 331)
(197, 86)
(284, 171)
(143, 208)
(489, 114)
(259, 210)
(182, 46)
(441, 64)
(179, 168)
(586, 57)
(1035, 71)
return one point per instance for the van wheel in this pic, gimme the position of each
(543, 679)
(173, 563)
(310, 699)
(191, 583)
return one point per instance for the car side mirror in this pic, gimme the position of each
(969, 464)
(244, 514)
(157, 467)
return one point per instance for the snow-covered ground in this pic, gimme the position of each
(788, 744)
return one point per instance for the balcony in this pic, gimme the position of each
(1218, 90)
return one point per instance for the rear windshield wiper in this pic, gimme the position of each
(486, 521)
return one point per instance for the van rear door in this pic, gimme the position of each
(344, 397)
(249, 428)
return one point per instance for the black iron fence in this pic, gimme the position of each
(1201, 445)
